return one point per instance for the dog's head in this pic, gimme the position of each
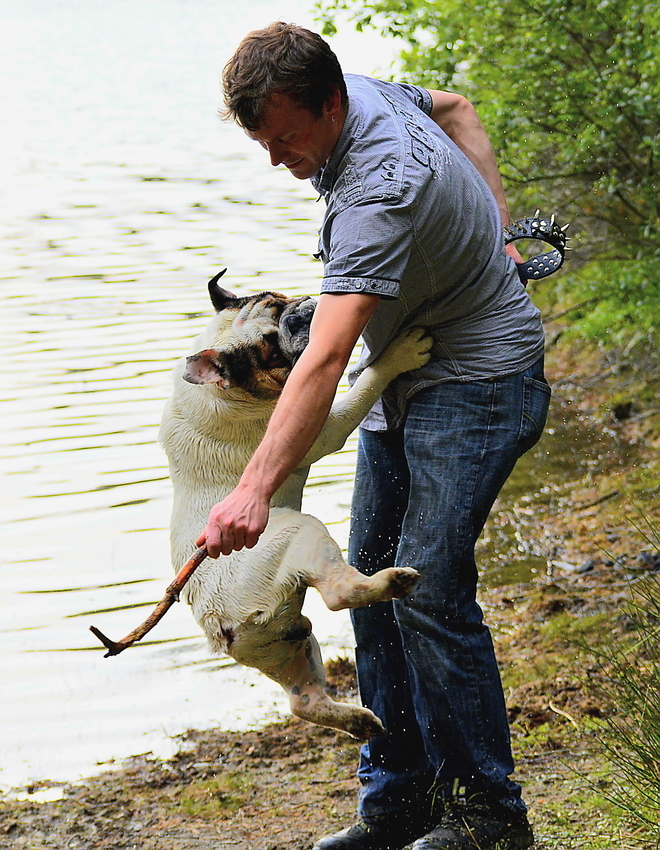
(254, 341)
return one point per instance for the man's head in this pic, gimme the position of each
(280, 59)
(285, 87)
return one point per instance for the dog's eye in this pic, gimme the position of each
(275, 359)
(271, 355)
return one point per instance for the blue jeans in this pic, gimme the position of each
(426, 664)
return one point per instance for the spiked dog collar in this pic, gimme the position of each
(545, 230)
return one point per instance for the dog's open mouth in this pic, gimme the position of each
(293, 328)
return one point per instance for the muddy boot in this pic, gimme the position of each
(379, 835)
(478, 828)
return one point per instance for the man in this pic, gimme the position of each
(411, 236)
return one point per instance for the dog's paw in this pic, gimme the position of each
(411, 349)
(363, 724)
(402, 581)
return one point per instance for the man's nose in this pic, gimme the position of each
(276, 153)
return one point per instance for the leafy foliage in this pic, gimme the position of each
(569, 91)
(622, 298)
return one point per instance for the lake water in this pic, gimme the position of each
(122, 193)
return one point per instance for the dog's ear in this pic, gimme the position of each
(207, 367)
(220, 298)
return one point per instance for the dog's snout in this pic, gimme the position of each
(294, 327)
(294, 322)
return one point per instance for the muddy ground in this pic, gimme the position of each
(280, 787)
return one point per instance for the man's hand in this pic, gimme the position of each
(235, 523)
(514, 253)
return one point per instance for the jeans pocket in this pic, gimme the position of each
(536, 401)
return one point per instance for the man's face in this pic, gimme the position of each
(296, 138)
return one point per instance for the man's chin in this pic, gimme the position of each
(302, 170)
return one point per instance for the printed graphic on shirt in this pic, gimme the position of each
(426, 147)
(428, 150)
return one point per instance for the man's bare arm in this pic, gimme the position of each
(297, 420)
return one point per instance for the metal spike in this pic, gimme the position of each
(552, 219)
(565, 227)
(537, 214)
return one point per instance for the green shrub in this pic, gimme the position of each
(630, 687)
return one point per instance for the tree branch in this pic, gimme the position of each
(171, 596)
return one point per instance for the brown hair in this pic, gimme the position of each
(283, 59)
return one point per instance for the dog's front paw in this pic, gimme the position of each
(402, 581)
(411, 349)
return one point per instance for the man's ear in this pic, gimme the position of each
(220, 298)
(333, 104)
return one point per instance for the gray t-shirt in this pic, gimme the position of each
(409, 218)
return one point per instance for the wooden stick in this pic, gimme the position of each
(171, 596)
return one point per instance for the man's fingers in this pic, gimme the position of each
(214, 541)
(231, 543)
(251, 540)
(514, 253)
(213, 549)
(225, 542)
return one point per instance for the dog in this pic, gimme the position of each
(249, 603)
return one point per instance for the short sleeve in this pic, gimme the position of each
(366, 248)
(417, 95)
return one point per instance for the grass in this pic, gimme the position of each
(215, 797)
(629, 686)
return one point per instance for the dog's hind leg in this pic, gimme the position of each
(345, 587)
(303, 679)
(292, 658)
(340, 585)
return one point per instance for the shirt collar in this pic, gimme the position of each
(324, 178)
